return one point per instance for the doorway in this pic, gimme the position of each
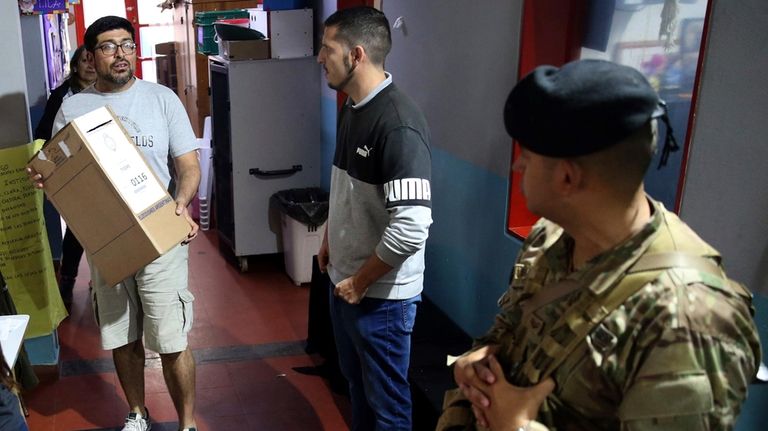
(151, 24)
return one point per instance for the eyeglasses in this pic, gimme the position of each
(109, 48)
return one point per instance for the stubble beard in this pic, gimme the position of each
(340, 86)
(118, 79)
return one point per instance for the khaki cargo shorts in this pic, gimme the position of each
(155, 303)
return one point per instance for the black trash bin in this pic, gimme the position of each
(303, 213)
(309, 206)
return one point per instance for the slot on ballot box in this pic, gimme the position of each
(110, 198)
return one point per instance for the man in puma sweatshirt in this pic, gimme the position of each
(379, 218)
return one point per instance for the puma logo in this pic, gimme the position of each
(365, 151)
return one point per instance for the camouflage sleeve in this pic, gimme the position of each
(692, 364)
(498, 332)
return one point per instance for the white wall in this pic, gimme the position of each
(328, 105)
(36, 66)
(724, 199)
(458, 60)
(14, 116)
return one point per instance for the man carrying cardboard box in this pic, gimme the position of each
(155, 302)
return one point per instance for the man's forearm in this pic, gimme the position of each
(188, 170)
(187, 187)
(372, 270)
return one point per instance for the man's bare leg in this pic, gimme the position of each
(129, 364)
(179, 373)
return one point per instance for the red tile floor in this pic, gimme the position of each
(247, 338)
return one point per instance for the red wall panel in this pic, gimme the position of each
(551, 34)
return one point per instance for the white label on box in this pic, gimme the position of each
(125, 167)
(120, 160)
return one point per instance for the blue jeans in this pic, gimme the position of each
(374, 343)
(10, 411)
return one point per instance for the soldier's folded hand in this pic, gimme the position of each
(511, 407)
(473, 375)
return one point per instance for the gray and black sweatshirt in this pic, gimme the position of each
(380, 192)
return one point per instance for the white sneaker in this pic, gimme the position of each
(137, 422)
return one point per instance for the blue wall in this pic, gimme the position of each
(328, 134)
(469, 256)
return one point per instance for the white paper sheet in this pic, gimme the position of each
(11, 334)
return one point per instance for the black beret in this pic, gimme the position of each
(580, 108)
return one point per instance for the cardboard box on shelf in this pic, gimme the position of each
(244, 49)
(110, 198)
(165, 48)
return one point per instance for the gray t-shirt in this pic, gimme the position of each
(151, 113)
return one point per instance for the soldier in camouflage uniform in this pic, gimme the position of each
(618, 315)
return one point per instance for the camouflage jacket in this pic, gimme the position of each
(678, 354)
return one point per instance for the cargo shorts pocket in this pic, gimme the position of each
(187, 310)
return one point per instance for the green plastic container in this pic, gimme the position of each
(206, 44)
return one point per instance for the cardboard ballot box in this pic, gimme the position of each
(110, 198)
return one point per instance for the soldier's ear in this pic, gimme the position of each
(569, 177)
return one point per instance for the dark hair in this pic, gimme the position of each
(76, 58)
(364, 26)
(622, 166)
(105, 24)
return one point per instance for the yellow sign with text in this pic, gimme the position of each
(25, 255)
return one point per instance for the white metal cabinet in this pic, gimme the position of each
(289, 31)
(266, 137)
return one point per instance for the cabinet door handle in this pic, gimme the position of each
(275, 173)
